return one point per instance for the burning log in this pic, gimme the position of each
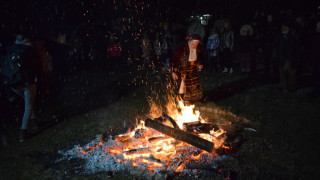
(200, 127)
(155, 140)
(173, 122)
(121, 138)
(152, 158)
(181, 135)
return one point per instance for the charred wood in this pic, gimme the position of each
(154, 140)
(173, 122)
(199, 127)
(181, 135)
(138, 151)
(121, 138)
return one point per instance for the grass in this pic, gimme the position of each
(285, 147)
(24, 157)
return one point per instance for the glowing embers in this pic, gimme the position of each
(145, 148)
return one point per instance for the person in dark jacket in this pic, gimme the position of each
(25, 80)
(269, 32)
(286, 55)
(245, 48)
(186, 63)
(314, 56)
(226, 48)
(213, 50)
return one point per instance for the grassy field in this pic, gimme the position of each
(285, 147)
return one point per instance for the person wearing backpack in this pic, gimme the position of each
(19, 71)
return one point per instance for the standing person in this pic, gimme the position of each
(226, 47)
(186, 63)
(46, 70)
(212, 49)
(286, 55)
(245, 48)
(299, 28)
(22, 77)
(163, 45)
(314, 56)
(269, 31)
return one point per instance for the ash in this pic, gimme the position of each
(99, 156)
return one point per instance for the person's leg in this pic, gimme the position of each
(223, 61)
(28, 94)
(266, 66)
(210, 63)
(292, 79)
(274, 66)
(215, 64)
(282, 77)
(242, 62)
(316, 81)
(248, 63)
(29, 97)
(229, 61)
(20, 91)
(227, 57)
(254, 58)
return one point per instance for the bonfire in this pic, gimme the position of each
(178, 140)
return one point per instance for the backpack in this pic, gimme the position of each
(11, 67)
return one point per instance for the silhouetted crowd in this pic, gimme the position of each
(282, 46)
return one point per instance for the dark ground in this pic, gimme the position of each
(285, 147)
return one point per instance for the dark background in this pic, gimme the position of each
(48, 18)
(286, 147)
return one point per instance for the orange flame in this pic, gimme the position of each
(138, 150)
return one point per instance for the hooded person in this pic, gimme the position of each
(186, 62)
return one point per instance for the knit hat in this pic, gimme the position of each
(195, 37)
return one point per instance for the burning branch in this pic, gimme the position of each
(181, 135)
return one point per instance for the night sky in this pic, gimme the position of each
(51, 17)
